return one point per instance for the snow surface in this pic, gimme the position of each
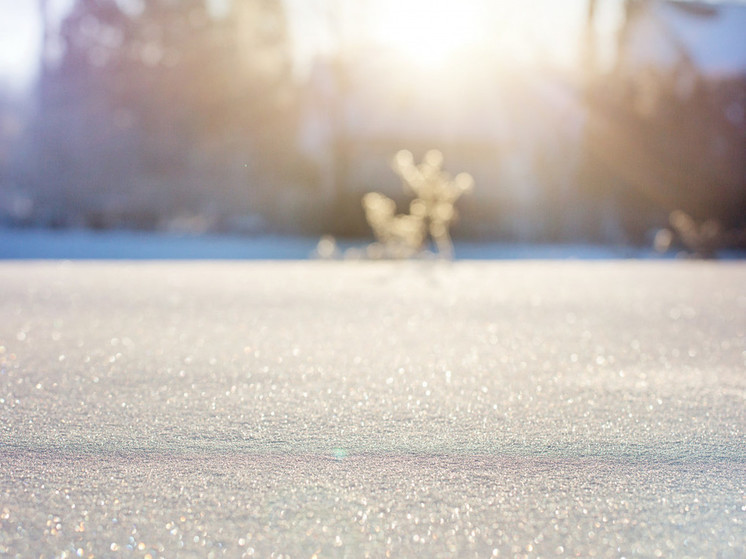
(42, 244)
(132, 245)
(352, 409)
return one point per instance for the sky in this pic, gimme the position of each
(19, 39)
(428, 29)
(398, 24)
(511, 26)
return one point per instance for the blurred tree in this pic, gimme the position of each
(658, 138)
(165, 108)
(590, 47)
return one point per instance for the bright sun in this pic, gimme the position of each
(427, 32)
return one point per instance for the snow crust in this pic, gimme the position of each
(352, 409)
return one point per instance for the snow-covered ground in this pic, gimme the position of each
(131, 245)
(353, 409)
(32, 244)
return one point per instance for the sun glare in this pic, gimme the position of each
(428, 32)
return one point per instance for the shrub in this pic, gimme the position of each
(431, 213)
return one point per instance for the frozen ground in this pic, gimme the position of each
(352, 409)
(29, 244)
(34, 244)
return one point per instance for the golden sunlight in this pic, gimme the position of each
(428, 32)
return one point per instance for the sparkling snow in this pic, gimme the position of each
(352, 409)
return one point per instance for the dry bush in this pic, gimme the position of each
(431, 213)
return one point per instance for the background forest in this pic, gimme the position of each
(197, 116)
(165, 115)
